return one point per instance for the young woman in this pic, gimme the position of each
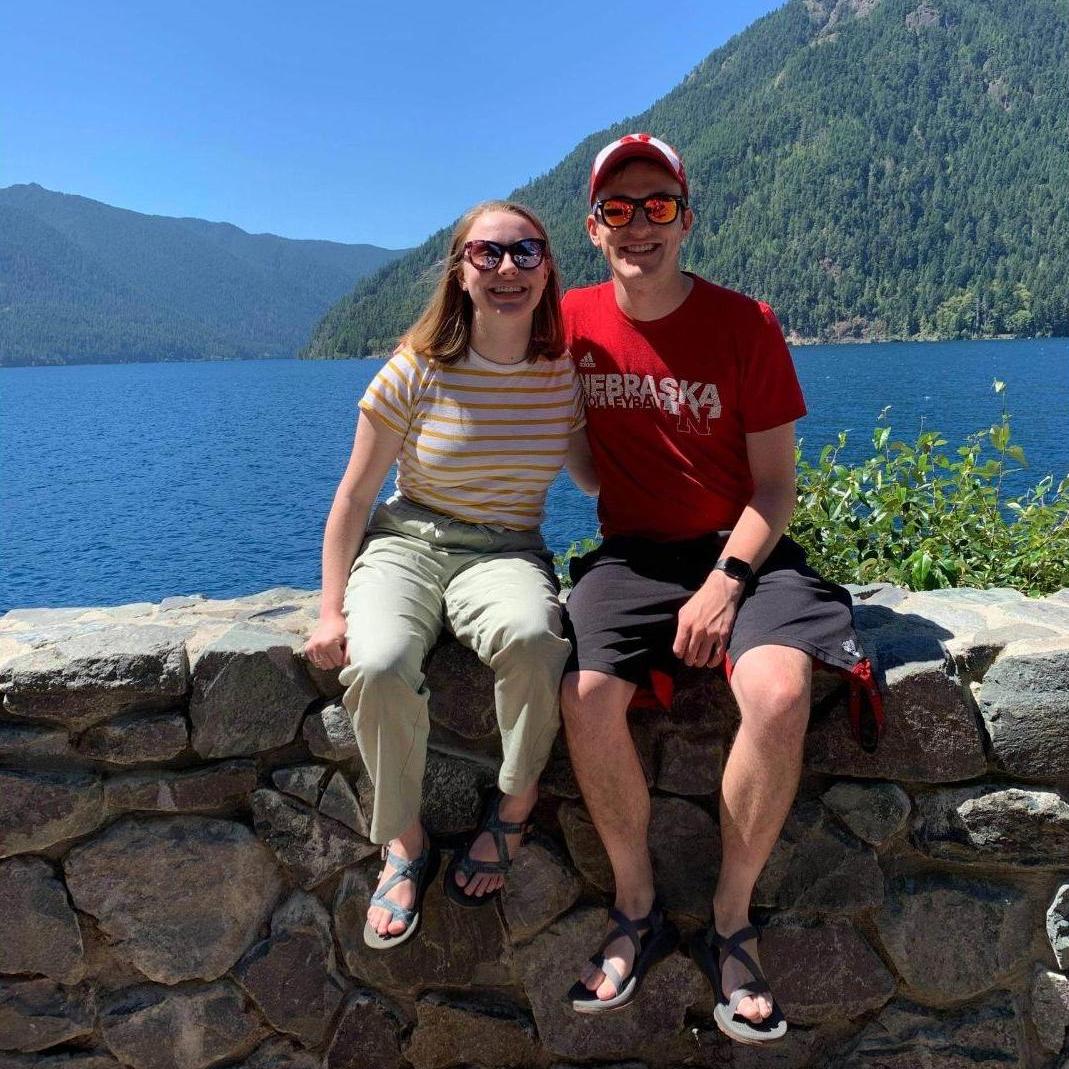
(480, 409)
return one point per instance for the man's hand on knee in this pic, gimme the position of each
(705, 621)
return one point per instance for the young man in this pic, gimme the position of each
(691, 401)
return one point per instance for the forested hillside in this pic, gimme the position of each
(873, 168)
(81, 280)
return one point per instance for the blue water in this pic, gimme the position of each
(134, 482)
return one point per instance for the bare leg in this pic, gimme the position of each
(409, 845)
(772, 686)
(610, 775)
(513, 809)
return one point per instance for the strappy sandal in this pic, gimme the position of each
(710, 950)
(468, 866)
(420, 871)
(660, 939)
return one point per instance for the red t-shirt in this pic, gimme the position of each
(669, 403)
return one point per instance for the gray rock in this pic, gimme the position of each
(1024, 700)
(468, 1032)
(180, 898)
(303, 781)
(329, 733)
(368, 1034)
(292, 975)
(874, 812)
(249, 693)
(1058, 926)
(690, 765)
(23, 743)
(585, 847)
(221, 786)
(929, 928)
(539, 887)
(453, 792)
(461, 692)
(151, 1027)
(1050, 1008)
(908, 1036)
(340, 803)
(951, 610)
(40, 809)
(685, 850)
(136, 740)
(551, 962)
(94, 673)
(36, 1014)
(932, 734)
(823, 972)
(67, 1059)
(1040, 612)
(998, 825)
(44, 938)
(817, 866)
(311, 847)
(456, 946)
(277, 1053)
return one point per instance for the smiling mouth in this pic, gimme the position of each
(638, 250)
(508, 291)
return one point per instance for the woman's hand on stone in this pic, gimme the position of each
(326, 647)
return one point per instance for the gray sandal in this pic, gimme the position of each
(710, 950)
(420, 871)
(463, 862)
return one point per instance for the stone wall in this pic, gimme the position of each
(184, 869)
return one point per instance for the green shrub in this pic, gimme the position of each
(923, 516)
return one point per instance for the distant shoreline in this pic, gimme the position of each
(792, 340)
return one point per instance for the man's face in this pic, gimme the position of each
(641, 251)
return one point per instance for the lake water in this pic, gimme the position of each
(134, 482)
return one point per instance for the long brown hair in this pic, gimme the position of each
(443, 331)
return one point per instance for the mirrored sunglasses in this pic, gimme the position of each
(486, 255)
(661, 208)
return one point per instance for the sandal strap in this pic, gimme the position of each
(612, 974)
(727, 944)
(405, 870)
(402, 913)
(746, 991)
(625, 926)
(731, 947)
(497, 829)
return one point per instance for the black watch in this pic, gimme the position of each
(736, 568)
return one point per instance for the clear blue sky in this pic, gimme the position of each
(338, 119)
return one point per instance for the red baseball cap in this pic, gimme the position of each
(636, 147)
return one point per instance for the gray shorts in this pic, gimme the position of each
(628, 592)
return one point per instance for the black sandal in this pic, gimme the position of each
(464, 863)
(710, 950)
(660, 939)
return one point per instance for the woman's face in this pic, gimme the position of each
(505, 290)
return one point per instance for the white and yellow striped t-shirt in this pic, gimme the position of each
(482, 441)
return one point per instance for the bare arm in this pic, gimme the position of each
(375, 448)
(705, 621)
(580, 463)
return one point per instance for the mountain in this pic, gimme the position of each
(872, 168)
(83, 281)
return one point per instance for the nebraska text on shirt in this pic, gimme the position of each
(694, 402)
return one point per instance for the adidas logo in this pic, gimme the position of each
(587, 361)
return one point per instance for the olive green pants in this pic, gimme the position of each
(418, 571)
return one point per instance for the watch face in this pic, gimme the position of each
(737, 569)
